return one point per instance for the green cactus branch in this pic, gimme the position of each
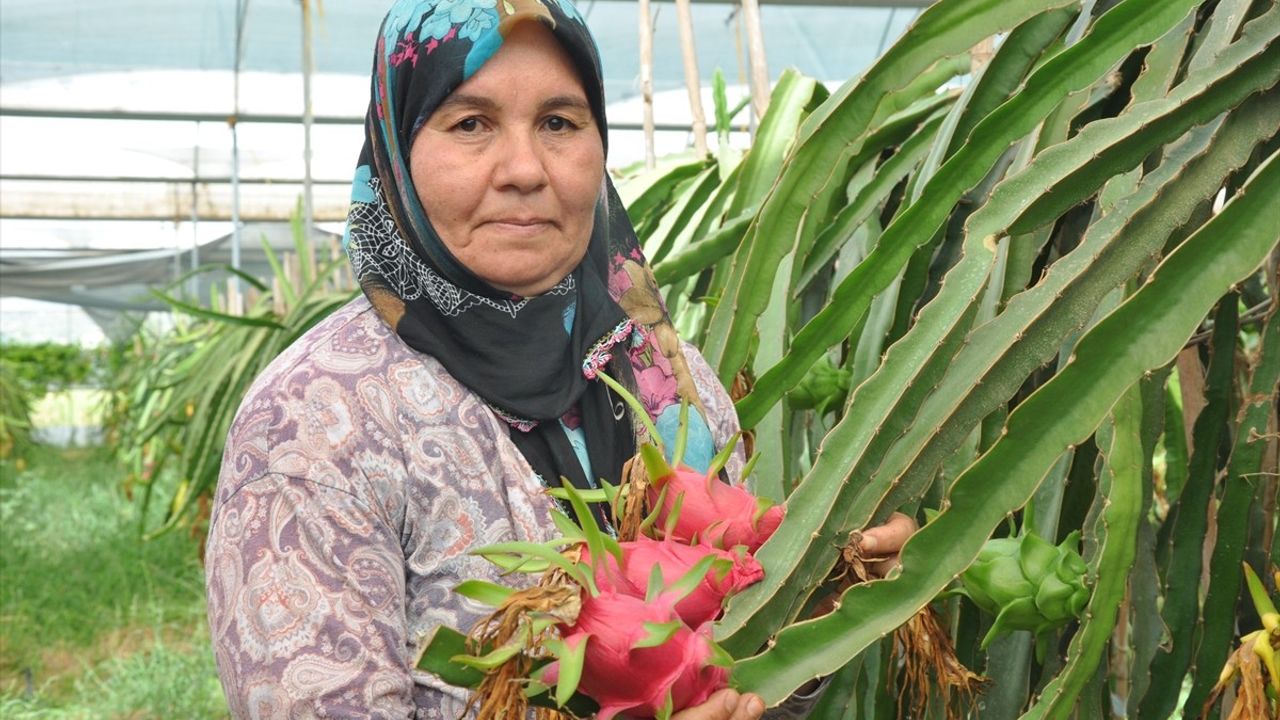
(1216, 628)
(830, 136)
(1120, 499)
(1142, 334)
(1079, 66)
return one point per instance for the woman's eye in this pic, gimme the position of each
(468, 125)
(558, 124)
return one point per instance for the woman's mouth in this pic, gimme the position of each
(520, 225)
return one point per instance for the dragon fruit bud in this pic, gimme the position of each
(824, 388)
(995, 579)
(1027, 583)
(705, 603)
(713, 512)
(639, 655)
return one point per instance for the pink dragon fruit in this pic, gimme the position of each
(706, 602)
(640, 656)
(714, 513)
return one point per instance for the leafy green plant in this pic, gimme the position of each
(1007, 273)
(49, 365)
(15, 413)
(177, 397)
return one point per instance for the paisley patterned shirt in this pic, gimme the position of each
(357, 476)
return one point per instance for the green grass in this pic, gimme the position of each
(161, 682)
(94, 622)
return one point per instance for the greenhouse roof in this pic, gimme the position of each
(164, 75)
(41, 39)
(118, 115)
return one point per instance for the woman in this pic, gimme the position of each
(500, 274)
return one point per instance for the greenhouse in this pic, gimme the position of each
(640, 358)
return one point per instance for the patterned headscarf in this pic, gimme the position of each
(534, 360)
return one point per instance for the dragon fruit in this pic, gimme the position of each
(706, 510)
(639, 657)
(736, 571)
(1027, 583)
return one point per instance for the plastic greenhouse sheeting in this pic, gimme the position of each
(124, 109)
(122, 281)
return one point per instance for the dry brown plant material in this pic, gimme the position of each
(631, 495)
(1251, 701)
(931, 668)
(929, 664)
(501, 695)
(545, 713)
(741, 387)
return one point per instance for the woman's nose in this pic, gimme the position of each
(520, 163)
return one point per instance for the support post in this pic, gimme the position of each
(755, 51)
(307, 120)
(688, 50)
(646, 81)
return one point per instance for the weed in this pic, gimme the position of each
(95, 622)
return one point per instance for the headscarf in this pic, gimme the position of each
(534, 360)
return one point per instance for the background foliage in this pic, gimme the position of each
(1019, 281)
(53, 365)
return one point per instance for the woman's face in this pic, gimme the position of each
(509, 167)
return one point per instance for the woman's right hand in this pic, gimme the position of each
(726, 704)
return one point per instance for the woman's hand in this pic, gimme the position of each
(879, 547)
(881, 544)
(727, 704)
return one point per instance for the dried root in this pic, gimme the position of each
(545, 713)
(854, 567)
(931, 668)
(501, 694)
(929, 663)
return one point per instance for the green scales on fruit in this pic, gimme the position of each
(1027, 583)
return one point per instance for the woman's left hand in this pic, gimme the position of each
(881, 544)
(879, 547)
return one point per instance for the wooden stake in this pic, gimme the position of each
(277, 297)
(755, 49)
(684, 18)
(235, 301)
(646, 80)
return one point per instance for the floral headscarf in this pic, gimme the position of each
(534, 360)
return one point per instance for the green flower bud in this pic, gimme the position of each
(1027, 583)
(1036, 557)
(995, 578)
(823, 388)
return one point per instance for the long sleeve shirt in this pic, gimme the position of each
(357, 477)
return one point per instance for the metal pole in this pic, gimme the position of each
(307, 118)
(192, 285)
(646, 80)
(684, 18)
(233, 121)
(235, 196)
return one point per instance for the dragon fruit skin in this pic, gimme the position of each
(717, 514)
(706, 602)
(622, 678)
